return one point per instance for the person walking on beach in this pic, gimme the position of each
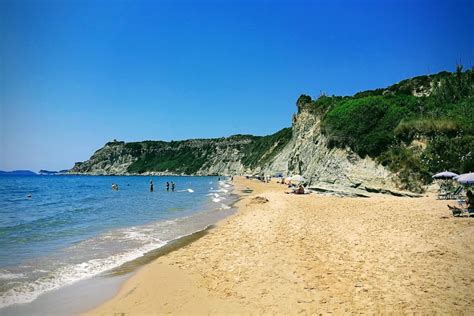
(151, 185)
(167, 186)
(172, 186)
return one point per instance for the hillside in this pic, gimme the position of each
(394, 138)
(416, 127)
(231, 155)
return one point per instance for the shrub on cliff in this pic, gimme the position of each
(263, 149)
(365, 124)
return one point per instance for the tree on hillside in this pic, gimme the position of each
(302, 101)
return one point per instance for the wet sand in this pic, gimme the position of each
(313, 254)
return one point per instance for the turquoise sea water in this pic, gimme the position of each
(75, 227)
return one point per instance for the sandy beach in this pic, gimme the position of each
(313, 254)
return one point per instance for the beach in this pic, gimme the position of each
(313, 254)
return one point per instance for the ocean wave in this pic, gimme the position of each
(187, 190)
(29, 291)
(220, 190)
(6, 275)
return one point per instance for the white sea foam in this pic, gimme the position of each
(107, 250)
(27, 292)
(5, 275)
(187, 190)
(220, 190)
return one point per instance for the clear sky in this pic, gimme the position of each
(76, 74)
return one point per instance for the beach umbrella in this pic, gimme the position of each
(445, 175)
(466, 178)
(297, 178)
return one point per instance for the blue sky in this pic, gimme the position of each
(76, 74)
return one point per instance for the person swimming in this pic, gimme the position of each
(114, 187)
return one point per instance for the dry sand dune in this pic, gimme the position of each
(314, 254)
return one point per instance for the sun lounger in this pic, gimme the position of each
(456, 194)
(458, 211)
(455, 210)
(451, 195)
(443, 195)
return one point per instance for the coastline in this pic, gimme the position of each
(313, 254)
(88, 293)
(168, 221)
(174, 278)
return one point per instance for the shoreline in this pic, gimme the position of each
(135, 265)
(177, 231)
(312, 254)
(93, 291)
(143, 262)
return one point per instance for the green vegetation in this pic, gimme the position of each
(190, 156)
(182, 159)
(366, 124)
(416, 127)
(263, 149)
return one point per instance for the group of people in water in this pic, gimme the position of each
(169, 185)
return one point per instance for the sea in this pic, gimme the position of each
(59, 230)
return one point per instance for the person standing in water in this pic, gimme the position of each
(151, 185)
(167, 186)
(172, 186)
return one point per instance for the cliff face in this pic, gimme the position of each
(308, 154)
(112, 159)
(303, 150)
(189, 157)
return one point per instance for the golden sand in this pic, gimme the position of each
(313, 254)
